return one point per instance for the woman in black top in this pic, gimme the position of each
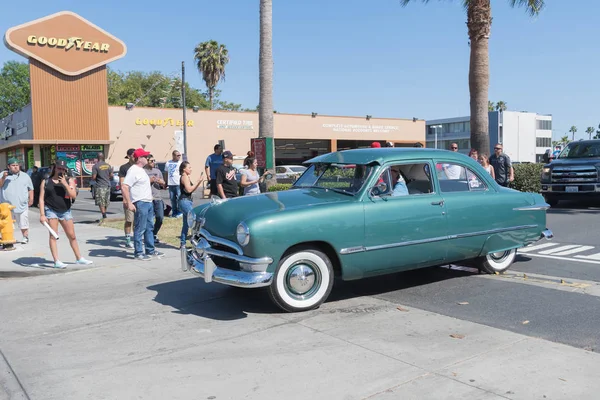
(56, 194)
(186, 203)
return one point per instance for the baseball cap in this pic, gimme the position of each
(61, 164)
(130, 152)
(375, 145)
(140, 153)
(389, 144)
(227, 154)
(13, 160)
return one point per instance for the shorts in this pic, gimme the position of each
(129, 215)
(22, 219)
(61, 216)
(103, 196)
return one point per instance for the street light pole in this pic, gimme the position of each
(184, 109)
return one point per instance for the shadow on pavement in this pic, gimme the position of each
(32, 266)
(219, 302)
(108, 241)
(572, 207)
(110, 253)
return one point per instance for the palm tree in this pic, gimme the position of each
(597, 133)
(479, 22)
(211, 58)
(501, 106)
(573, 130)
(491, 106)
(265, 109)
(589, 131)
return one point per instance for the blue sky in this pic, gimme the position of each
(362, 57)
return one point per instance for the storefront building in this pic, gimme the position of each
(69, 117)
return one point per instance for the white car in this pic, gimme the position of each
(289, 171)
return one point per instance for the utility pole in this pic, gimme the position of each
(184, 110)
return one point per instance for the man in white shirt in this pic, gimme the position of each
(137, 195)
(173, 176)
(453, 171)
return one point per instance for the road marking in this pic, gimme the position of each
(573, 251)
(578, 259)
(591, 257)
(559, 249)
(538, 247)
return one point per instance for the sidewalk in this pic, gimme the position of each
(104, 246)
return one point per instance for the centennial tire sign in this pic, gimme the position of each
(65, 42)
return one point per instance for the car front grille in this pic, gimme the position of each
(575, 174)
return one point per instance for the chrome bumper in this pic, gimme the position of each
(199, 261)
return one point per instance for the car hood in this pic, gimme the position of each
(223, 218)
(563, 162)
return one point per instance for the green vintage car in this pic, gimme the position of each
(360, 213)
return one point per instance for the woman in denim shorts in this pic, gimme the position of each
(56, 194)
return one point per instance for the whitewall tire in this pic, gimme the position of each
(302, 281)
(497, 262)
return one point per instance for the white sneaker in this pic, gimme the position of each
(59, 265)
(83, 261)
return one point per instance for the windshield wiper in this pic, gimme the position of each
(341, 191)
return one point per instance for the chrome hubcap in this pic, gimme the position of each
(499, 256)
(303, 280)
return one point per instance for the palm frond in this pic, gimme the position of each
(532, 7)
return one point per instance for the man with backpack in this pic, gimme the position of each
(503, 169)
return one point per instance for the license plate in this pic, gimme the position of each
(571, 189)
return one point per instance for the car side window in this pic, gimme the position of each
(458, 178)
(280, 170)
(406, 180)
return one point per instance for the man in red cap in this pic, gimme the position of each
(137, 195)
(375, 145)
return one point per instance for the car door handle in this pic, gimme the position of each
(437, 203)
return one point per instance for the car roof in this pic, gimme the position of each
(382, 155)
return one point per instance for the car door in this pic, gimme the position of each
(471, 202)
(405, 232)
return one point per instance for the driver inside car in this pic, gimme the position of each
(399, 182)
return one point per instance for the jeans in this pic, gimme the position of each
(174, 194)
(143, 225)
(185, 205)
(159, 215)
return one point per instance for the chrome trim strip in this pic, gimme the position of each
(224, 242)
(351, 250)
(535, 207)
(358, 249)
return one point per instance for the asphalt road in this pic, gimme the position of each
(554, 310)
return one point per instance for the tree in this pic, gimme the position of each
(211, 59)
(152, 89)
(573, 130)
(479, 22)
(562, 142)
(14, 87)
(501, 106)
(597, 133)
(491, 106)
(265, 111)
(589, 131)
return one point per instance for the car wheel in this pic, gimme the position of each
(303, 280)
(497, 262)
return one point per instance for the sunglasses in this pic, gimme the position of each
(454, 148)
(497, 148)
(150, 160)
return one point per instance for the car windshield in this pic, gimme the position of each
(581, 150)
(344, 178)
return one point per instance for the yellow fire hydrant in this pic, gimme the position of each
(7, 229)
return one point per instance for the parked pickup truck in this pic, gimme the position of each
(574, 174)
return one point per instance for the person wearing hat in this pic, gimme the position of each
(137, 195)
(227, 185)
(56, 195)
(17, 190)
(213, 162)
(375, 145)
(389, 144)
(129, 215)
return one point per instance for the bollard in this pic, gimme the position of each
(7, 230)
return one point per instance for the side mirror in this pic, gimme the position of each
(546, 158)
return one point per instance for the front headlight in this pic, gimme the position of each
(545, 174)
(243, 234)
(191, 218)
(546, 170)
